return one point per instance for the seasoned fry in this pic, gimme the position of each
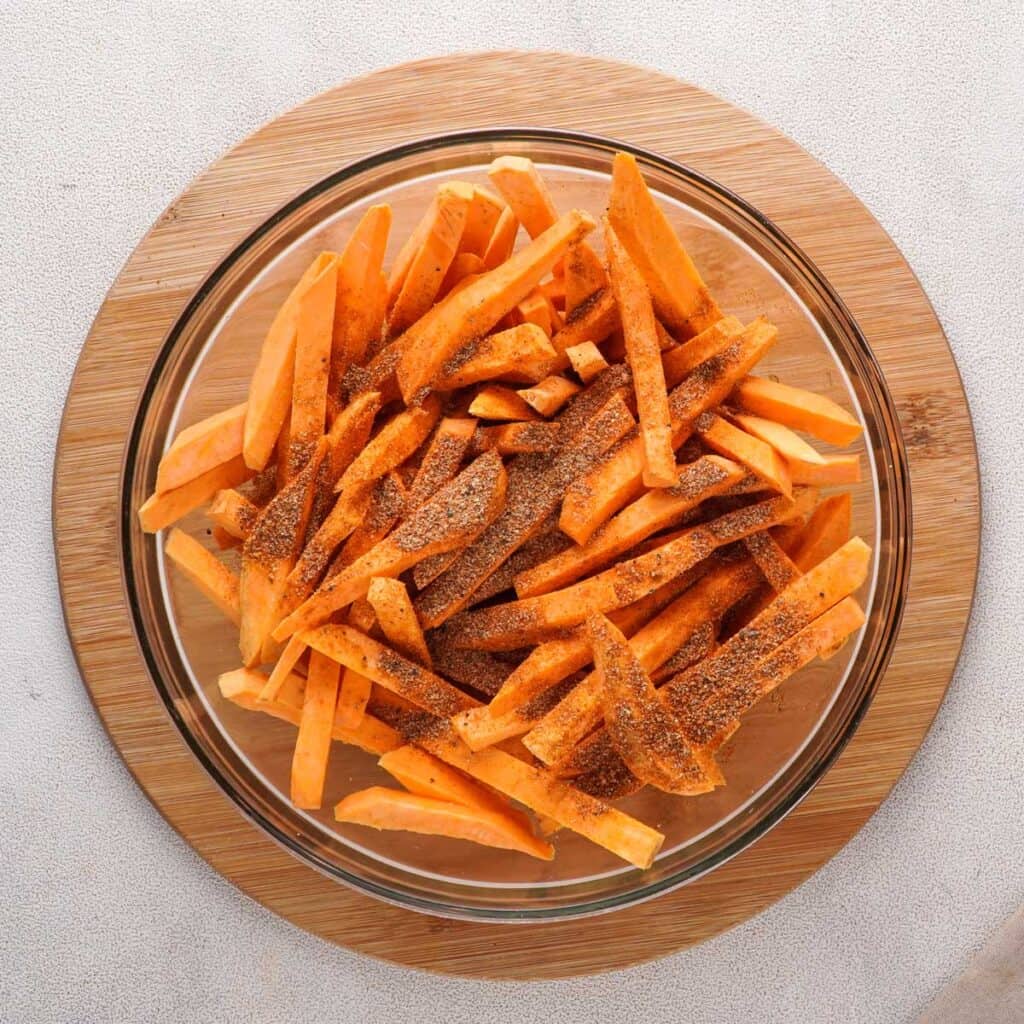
(523, 353)
(232, 512)
(684, 359)
(458, 319)
(442, 460)
(586, 360)
(397, 617)
(161, 510)
(761, 459)
(584, 276)
(644, 355)
(516, 438)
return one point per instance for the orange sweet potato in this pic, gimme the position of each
(549, 395)
(761, 459)
(442, 459)
(522, 187)
(455, 515)
(654, 511)
(534, 309)
(382, 808)
(458, 319)
(283, 668)
(269, 555)
(244, 687)
(202, 447)
(788, 444)
(205, 571)
(593, 320)
(642, 728)
(388, 503)
(797, 408)
(516, 438)
(554, 737)
(435, 252)
(584, 276)
(833, 469)
(523, 352)
(465, 265)
(680, 297)
(232, 512)
(484, 212)
(826, 531)
(598, 495)
(586, 361)
(777, 567)
(361, 300)
(389, 599)
(270, 392)
(313, 743)
(685, 358)
(644, 355)
(495, 402)
(160, 510)
(313, 350)
(507, 626)
(503, 238)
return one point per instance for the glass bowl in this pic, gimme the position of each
(785, 744)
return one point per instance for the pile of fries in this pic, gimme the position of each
(520, 523)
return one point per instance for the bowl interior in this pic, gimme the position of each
(784, 744)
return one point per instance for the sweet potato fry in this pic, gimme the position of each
(233, 513)
(826, 531)
(516, 438)
(797, 408)
(536, 310)
(797, 606)
(593, 320)
(684, 359)
(443, 457)
(506, 626)
(389, 669)
(269, 554)
(465, 264)
(353, 696)
(270, 392)
(788, 444)
(283, 668)
(833, 469)
(314, 329)
(642, 728)
(546, 795)
(391, 446)
(714, 722)
(455, 515)
(202, 447)
(554, 737)
(497, 403)
(205, 571)
(523, 353)
(503, 239)
(761, 459)
(382, 808)
(345, 440)
(484, 212)
(644, 356)
(361, 300)
(397, 617)
(458, 319)
(434, 255)
(777, 567)
(387, 504)
(598, 495)
(313, 744)
(549, 395)
(161, 510)
(522, 187)
(654, 511)
(584, 276)
(586, 361)
(224, 540)
(425, 775)
(680, 297)
(536, 484)
(244, 687)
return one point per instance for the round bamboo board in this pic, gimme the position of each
(554, 90)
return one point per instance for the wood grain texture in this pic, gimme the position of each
(553, 90)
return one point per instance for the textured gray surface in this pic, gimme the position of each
(107, 110)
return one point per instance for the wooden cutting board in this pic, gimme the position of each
(552, 90)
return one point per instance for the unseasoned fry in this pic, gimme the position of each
(586, 360)
(495, 402)
(205, 571)
(549, 395)
(202, 447)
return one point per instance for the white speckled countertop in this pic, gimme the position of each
(108, 110)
